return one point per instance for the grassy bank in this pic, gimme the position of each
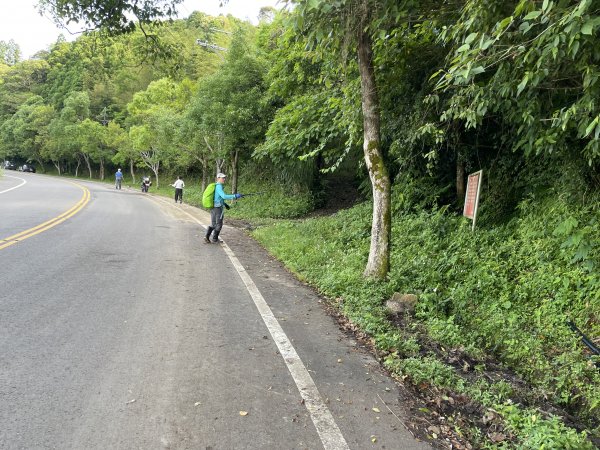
(500, 295)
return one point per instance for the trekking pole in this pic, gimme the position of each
(254, 193)
(586, 340)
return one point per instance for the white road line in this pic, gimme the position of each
(329, 432)
(14, 187)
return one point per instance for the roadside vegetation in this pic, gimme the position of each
(356, 123)
(490, 325)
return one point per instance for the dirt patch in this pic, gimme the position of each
(338, 194)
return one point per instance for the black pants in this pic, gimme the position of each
(178, 195)
(216, 223)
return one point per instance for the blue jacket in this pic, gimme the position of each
(221, 196)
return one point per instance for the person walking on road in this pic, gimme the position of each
(178, 185)
(118, 179)
(217, 212)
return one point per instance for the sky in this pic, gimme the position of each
(20, 21)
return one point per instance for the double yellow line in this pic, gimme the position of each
(16, 238)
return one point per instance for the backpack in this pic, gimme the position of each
(208, 197)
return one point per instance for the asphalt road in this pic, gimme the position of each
(120, 329)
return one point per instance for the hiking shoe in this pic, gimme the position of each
(206, 240)
(217, 241)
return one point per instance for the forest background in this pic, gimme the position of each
(491, 347)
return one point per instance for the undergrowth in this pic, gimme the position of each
(259, 201)
(505, 292)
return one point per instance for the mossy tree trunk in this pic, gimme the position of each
(378, 264)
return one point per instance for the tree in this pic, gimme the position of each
(24, 133)
(115, 16)
(59, 146)
(143, 142)
(20, 82)
(532, 64)
(126, 154)
(116, 138)
(91, 137)
(10, 53)
(327, 25)
(154, 113)
(238, 91)
(192, 146)
(309, 133)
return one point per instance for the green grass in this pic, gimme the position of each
(505, 292)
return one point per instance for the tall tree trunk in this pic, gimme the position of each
(205, 177)
(155, 168)
(86, 158)
(132, 171)
(102, 169)
(234, 170)
(378, 264)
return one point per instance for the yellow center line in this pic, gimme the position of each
(15, 238)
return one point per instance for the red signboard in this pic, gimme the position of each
(472, 196)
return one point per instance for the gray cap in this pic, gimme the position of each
(221, 175)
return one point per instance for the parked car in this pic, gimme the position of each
(28, 168)
(9, 165)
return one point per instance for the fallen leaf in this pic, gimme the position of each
(340, 360)
(243, 413)
(376, 410)
(373, 439)
(197, 404)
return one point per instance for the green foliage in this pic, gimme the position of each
(18, 83)
(507, 55)
(310, 130)
(506, 291)
(538, 433)
(276, 200)
(10, 53)
(112, 15)
(24, 133)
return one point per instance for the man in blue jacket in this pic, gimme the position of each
(118, 179)
(216, 212)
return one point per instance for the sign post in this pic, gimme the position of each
(472, 196)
